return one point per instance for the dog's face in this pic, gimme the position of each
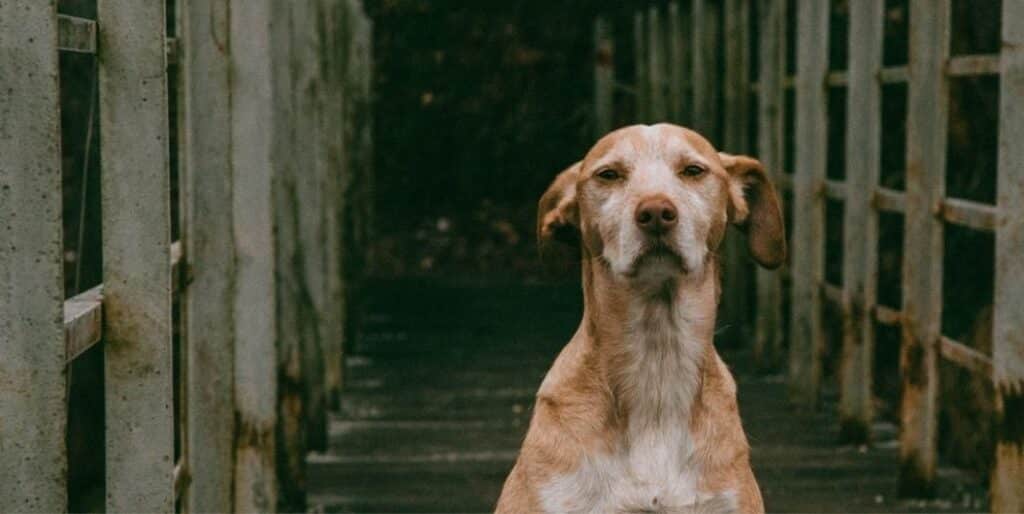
(653, 202)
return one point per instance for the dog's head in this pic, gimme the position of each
(653, 202)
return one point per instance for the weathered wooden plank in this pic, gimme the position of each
(712, 123)
(970, 214)
(973, 65)
(656, 66)
(838, 78)
(887, 315)
(76, 34)
(965, 356)
(770, 127)
(893, 74)
(676, 64)
(808, 250)
(32, 379)
(308, 204)
(927, 109)
(889, 200)
(860, 222)
(1008, 299)
(83, 322)
(832, 293)
(256, 128)
(604, 77)
(641, 71)
(736, 261)
(209, 238)
(136, 256)
(834, 189)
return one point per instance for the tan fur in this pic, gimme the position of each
(640, 323)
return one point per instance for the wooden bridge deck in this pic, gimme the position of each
(439, 389)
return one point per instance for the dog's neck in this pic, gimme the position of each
(652, 340)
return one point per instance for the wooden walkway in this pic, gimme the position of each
(439, 388)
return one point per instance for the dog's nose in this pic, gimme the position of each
(656, 214)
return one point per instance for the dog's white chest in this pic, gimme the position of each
(655, 474)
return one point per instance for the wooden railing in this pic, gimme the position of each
(924, 204)
(266, 159)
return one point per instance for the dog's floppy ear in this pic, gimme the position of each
(754, 208)
(558, 217)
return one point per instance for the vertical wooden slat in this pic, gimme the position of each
(332, 129)
(209, 247)
(308, 201)
(1007, 481)
(604, 77)
(736, 83)
(712, 42)
(860, 224)
(676, 64)
(33, 413)
(656, 66)
(643, 106)
(136, 256)
(256, 125)
(927, 110)
(770, 103)
(808, 247)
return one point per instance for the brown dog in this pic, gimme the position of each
(639, 413)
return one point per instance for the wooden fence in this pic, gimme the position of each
(273, 143)
(675, 52)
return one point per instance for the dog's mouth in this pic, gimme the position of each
(658, 254)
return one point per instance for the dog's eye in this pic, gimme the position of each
(693, 171)
(608, 174)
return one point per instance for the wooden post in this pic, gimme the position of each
(307, 203)
(927, 110)
(808, 247)
(643, 105)
(136, 256)
(256, 127)
(676, 64)
(770, 105)
(736, 82)
(332, 129)
(656, 66)
(210, 250)
(1008, 339)
(712, 125)
(32, 377)
(860, 224)
(604, 78)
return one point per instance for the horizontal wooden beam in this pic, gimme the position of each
(966, 357)
(83, 322)
(832, 293)
(83, 313)
(76, 34)
(893, 74)
(889, 200)
(973, 65)
(887, 315)
(837, 78)
(834, 189)
(969, 214)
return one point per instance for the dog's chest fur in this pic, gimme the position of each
(652, 466)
